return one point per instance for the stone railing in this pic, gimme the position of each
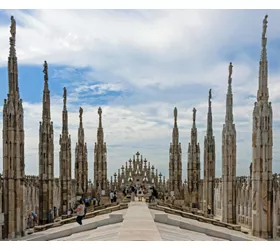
(189, 215)
(105, 209)
(184, 209)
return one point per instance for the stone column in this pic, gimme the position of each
(193, 169)
(100, 159)
(262, 143)
(81, 162)
(209, 163)
(175, 161)
(46, 155)
(65, 161)
(13, 149)
(229, 159)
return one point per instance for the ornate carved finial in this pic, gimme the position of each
(81, 114)
(13, 28)
(45, 71)
(230, 70)
(175, 114)
(64, 96)
(194, 114)
(264, 25)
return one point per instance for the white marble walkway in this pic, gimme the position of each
(138, 224)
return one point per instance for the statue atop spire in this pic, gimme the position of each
(64, 96)
(81, 114)
(175, 115)
(13, 28)
(264, 26)
(230, 70)
(210, 97)
(194, 115)
(100, 116)
(264, 31)
(45, 71)
(13, 37)
(99, 112)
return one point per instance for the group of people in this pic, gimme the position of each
(139, 192)
(32, 217)
(81, 209)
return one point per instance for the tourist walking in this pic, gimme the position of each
(50, 216)
(209, 209)
(80, 212)
(112, 196)
(34, 218)
(150, 194)
(98, 198)
(115, 197)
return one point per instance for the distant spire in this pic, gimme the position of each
(263, 68)
(46, 95)
(175, 134)
(209, 119)
(229, 103)
(64, 114)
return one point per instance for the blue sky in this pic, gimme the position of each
(138, 65)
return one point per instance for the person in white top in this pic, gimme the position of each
(80, 212)
(112, 196)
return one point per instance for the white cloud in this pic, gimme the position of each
(164, 58)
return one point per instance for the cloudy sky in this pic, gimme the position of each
(138, 65)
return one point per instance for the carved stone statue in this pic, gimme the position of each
(45, 71)
(230, 70)
(175, 114)
(264, 25)
(210, 95)
(99, 111)
(81, 113)
(13, 28)
(194, 114)
(64, 96)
